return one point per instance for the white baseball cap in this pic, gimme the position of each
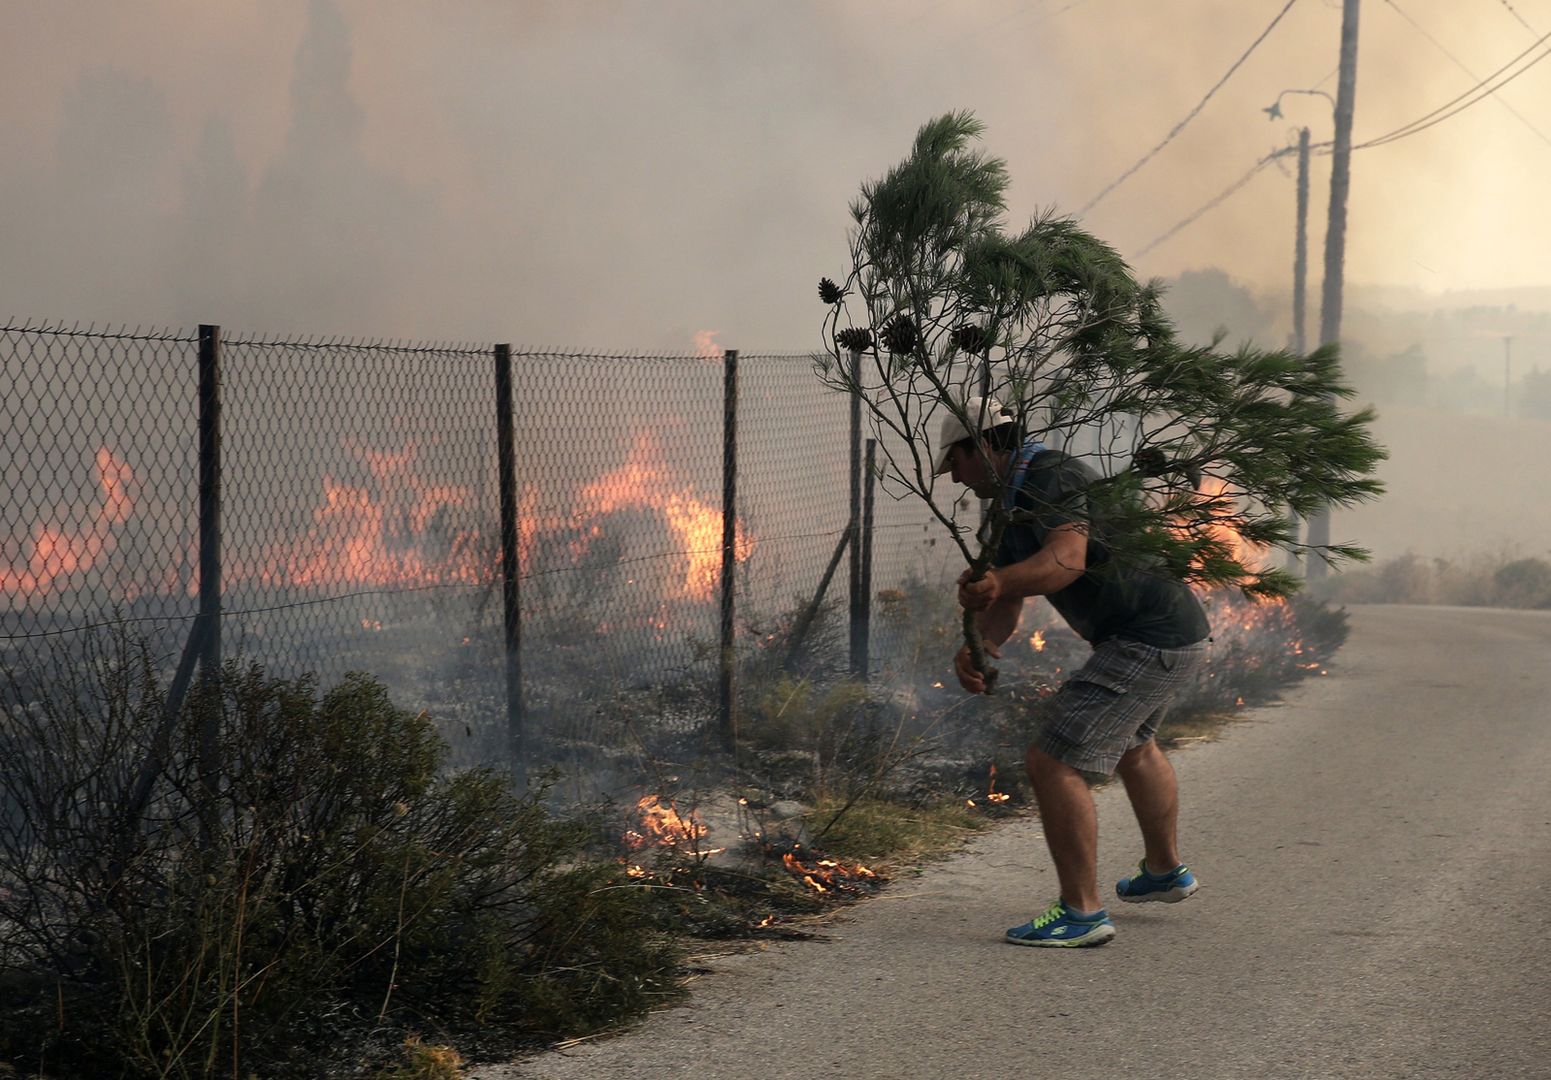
(988, 411)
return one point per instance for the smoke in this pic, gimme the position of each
(625, 175)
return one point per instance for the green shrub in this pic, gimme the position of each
(317, 878)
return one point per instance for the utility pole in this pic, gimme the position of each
(1335, 232)
(1301, 247)
(1507, 371)
(1300, 342)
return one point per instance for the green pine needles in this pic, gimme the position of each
(1203, 453)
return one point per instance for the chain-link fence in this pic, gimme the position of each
(99, 480)
(327, 506)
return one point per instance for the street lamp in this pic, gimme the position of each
(1273, 111)
(1300, 245)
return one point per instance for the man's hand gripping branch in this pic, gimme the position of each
(995, 598)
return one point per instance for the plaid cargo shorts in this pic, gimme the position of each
(1114, 702)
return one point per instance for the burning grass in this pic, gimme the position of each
(866, 779)
(737, 878)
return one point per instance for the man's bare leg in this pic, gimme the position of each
(1071, 827)
(1154, 794)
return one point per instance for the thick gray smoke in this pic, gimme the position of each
(629, 174)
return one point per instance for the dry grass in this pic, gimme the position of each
(426, 1062)
(891, 834)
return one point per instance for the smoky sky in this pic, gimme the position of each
(626, 174)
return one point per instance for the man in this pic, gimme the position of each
(1147, 632)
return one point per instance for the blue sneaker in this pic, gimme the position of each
(1144, 885)
(1060, 928)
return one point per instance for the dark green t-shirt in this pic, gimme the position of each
(1107, 601)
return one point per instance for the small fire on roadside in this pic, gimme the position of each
(1037, 642)
(661, 825)
(992, 795)
(825, 875)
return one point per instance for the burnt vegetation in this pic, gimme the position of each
(308, 887)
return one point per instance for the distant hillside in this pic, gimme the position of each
(1399, 298)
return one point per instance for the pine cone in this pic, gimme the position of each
(854, 339)
(829, 292)
(970, 338)
(900, 335)
(1149, 461)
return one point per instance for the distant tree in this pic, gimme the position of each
(939, 304)
(1400, 378)
(1534, 395)
(1208, 306)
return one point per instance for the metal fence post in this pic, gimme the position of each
(209, 561)
(210, 495)
(854, 520)
(867, 519)
(728, 714)
(511, 567)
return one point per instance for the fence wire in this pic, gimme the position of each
(360, 519)
(361, 523)
(98, 481)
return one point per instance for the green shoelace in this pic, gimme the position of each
(1056, 912)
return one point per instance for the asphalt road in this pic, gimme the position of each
(1375, 857)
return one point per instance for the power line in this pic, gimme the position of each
(1459, 103)
(1514, 12)
(1222, 196)
(1451, 108)
(1193, 112)
(1461, 65)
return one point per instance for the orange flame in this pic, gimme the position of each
(706, 346)
(115, 477)
(385, 534)
(826, 875)
(1037, 642)
(395, 528)
(661, 825)
(1247, 554)
(61, 553)
(643, 482)
(992, 795)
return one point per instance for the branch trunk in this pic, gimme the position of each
(973, 638)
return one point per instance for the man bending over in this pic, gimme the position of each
(1148, 635)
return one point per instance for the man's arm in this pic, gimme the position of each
(998, 595)
(996, 622)
(1059, 562)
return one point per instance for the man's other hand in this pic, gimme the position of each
(964, 668)
(981, 594)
